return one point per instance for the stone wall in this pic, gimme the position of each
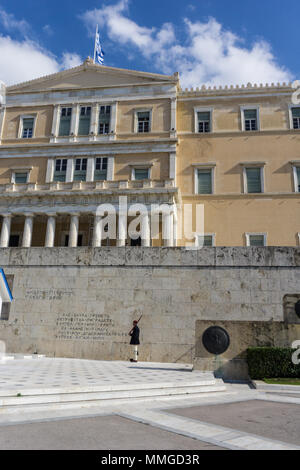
(81, 302)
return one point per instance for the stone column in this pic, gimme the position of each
(168, 229)
(94, 120)
(122, 232)
(110, 168)
(97, 235)
(55, 122)
(145, 229)
(5, 231)
(75, 120)
(27, 233)
(50, 232)
(175, 227)
(73, 234)
(172, 166)
(173, 116)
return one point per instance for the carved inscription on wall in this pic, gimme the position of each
(86, 326)
(47, 294)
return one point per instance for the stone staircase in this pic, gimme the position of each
(104, 395)
(49, 383)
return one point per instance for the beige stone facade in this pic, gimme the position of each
(86, 136)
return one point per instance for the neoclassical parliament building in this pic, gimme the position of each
(91, 135)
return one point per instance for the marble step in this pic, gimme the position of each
(108, 393)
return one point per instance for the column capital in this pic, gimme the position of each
(6, 215)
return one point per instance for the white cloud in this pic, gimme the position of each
(22, 61)
(10, 23)
(25, 59)
(70, 60)
(123, 30)
(209, 55)
(48, 30)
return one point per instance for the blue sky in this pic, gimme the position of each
(207, 41)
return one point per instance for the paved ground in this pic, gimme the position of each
(19, 375)
(107, 432)
(280, 421)
(239, 418)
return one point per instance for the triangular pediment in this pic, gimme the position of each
(89, 75)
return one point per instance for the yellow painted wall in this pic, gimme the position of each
(44, 116)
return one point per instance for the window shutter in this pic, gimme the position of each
(204, 182)
(65, 126)
(254, 180)
(84, 121)
(298, 175)
(65, 122)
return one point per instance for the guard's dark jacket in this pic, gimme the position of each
(135, 336)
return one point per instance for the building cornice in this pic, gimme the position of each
(90, 149)
(220, 196)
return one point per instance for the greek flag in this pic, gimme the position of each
(99, 54)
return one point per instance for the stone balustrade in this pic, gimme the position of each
(86, 186)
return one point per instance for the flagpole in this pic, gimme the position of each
(95, 45)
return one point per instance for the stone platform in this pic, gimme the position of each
(72, 382)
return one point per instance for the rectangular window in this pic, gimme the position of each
(104, 120)
(80, 169)
(296, 118)
(141, 174)
(60, 171)
(100, 169)
(84, 120)
(205, 240)
(250, 117)
(204, 122)
(254, 183)
(65, 122)
(28, 124)
(143, 122)
(256, 240)
(21, 178)
(298, 178)
(205, 182)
